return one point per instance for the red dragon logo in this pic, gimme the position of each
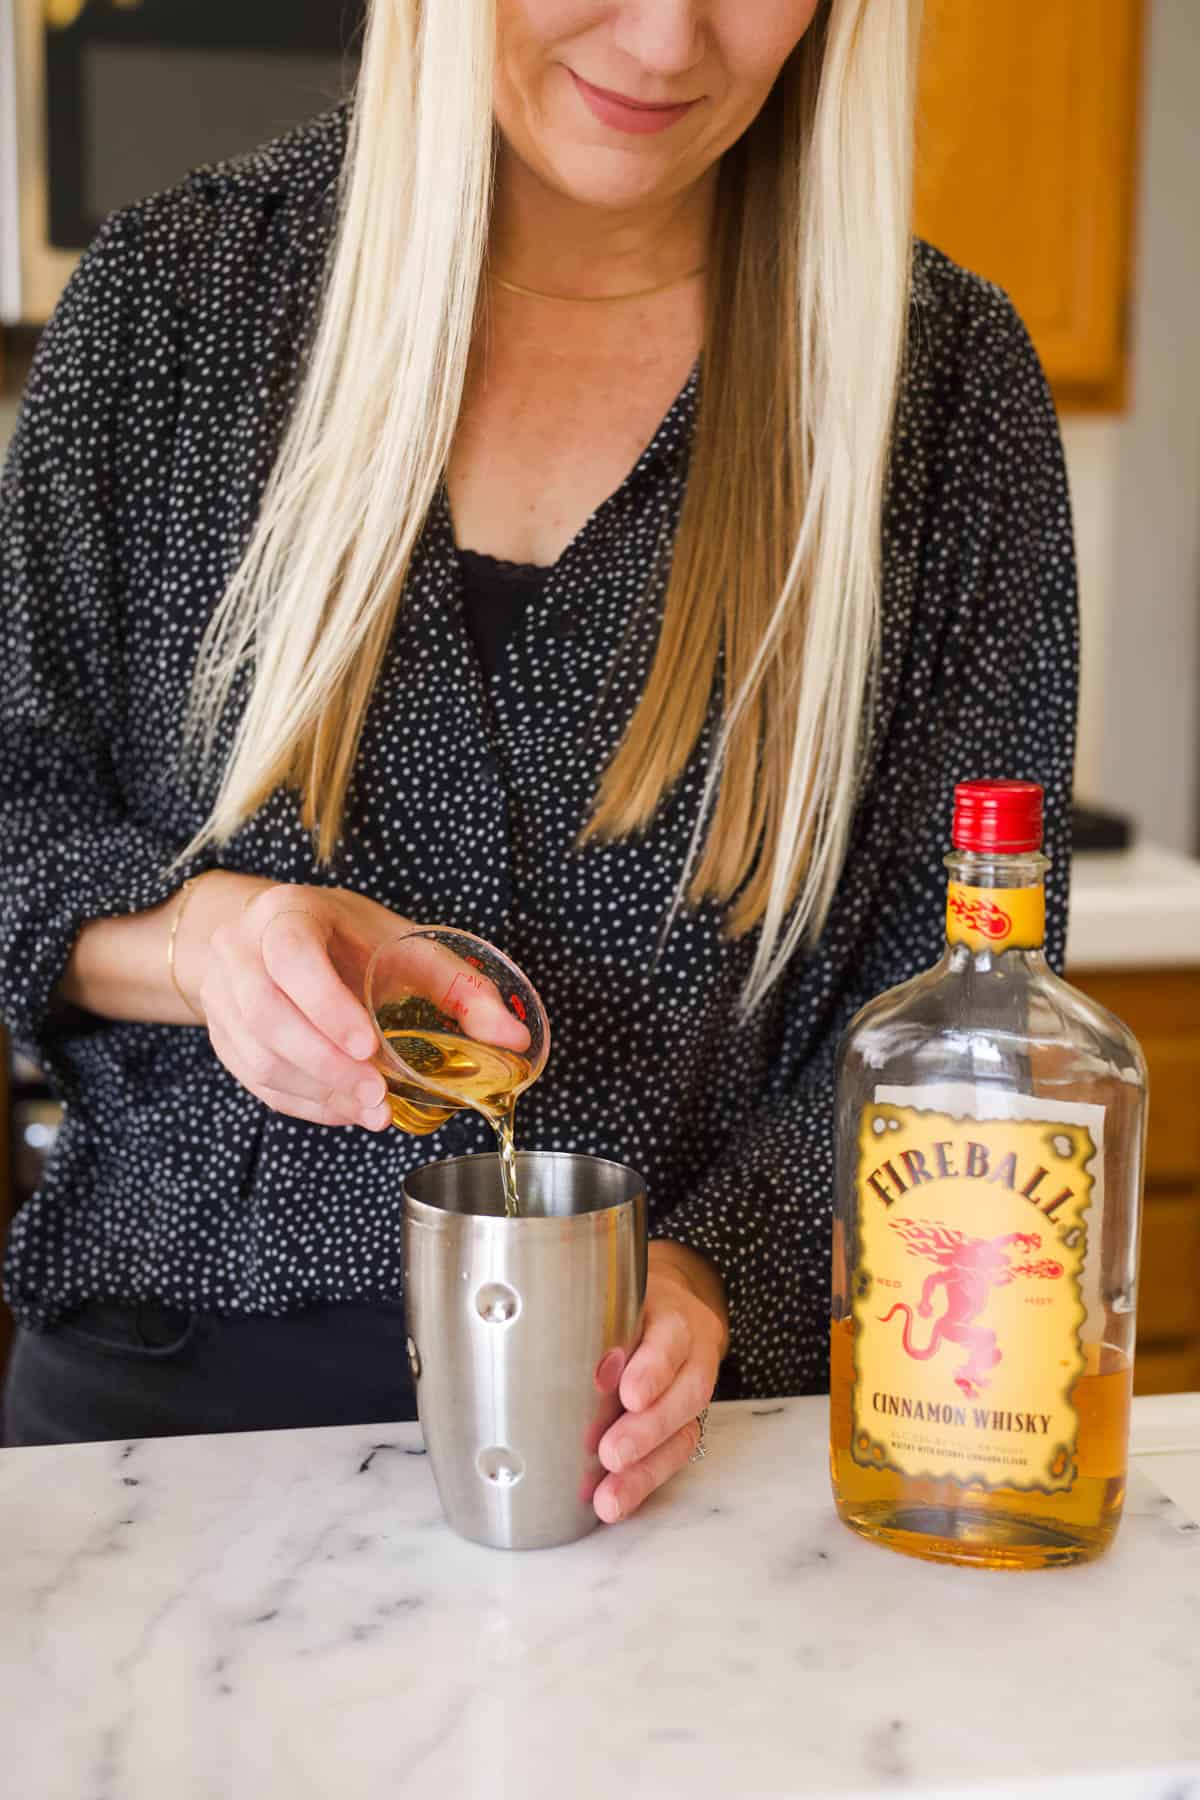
(983, 916)
(969, 1268)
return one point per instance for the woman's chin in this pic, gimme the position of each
(613, 180)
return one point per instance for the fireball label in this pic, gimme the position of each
(996, 918)
(967, 1301)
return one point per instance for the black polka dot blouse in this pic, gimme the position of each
(145, 437)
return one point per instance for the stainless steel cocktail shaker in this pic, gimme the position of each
(508, 1321)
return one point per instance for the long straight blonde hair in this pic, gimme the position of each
(774, 583)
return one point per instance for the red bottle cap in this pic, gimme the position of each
(1001, 817)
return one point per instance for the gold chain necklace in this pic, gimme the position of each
(514, 287)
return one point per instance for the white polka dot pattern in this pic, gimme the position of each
(144, 439)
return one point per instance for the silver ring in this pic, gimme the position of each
(701, 1450)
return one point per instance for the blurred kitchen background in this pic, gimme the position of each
(1058, 154)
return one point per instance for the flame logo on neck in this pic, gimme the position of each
(983, 916)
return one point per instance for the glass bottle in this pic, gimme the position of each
(990, 1130)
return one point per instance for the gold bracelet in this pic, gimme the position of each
(179, 910)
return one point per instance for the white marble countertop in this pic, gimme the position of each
(284, 1614)
(1133, 909)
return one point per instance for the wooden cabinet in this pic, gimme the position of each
(1162, 1008)
(1026, 167)
(45, 270)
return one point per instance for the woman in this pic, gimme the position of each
(390, 459)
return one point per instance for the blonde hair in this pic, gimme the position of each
(774, 583)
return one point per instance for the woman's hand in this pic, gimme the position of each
(666, 1383)
(278, 971)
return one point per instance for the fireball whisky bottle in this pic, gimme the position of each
(990, 1129)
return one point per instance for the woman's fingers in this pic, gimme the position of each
(619, 1495)
(664, 1386)
(280, 992)
(635, 1436)
(285, 1038)
(423, 966)
(662, 1352)
(292, 944)
(666, 1382)
(258, 962)
(287, 1085)
(333, 1109)
(320, 1113)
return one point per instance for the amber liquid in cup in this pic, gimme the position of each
(430, 1064)
(480, 1076)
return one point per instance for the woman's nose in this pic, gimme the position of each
(666, 37)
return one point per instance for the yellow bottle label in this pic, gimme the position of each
(968, 1302)
(996, 918)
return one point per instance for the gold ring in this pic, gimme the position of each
(258, 892)
(282, 914)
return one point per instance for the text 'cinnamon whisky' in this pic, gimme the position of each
(990, 1132)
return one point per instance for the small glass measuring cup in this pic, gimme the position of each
(458, 1025)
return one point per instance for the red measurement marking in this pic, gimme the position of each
(518, 1006)
(460, 995)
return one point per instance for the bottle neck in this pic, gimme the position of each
(995, 903)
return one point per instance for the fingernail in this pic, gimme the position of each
(622, 1452)
(609, 1371)
(370, 1093)
(360, 1045)
(374, 1117)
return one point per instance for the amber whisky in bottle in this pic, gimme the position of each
(990, 1131)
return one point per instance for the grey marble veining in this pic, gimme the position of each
(285, 1614)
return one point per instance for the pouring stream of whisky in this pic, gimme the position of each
(467, 1073)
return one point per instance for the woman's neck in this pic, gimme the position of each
(549, 242)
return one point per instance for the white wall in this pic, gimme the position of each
(1135, 483)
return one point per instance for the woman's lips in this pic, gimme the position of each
(627, 115)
